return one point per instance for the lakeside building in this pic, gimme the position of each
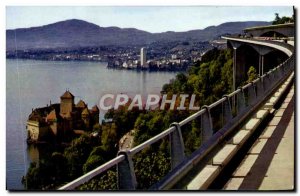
(59, 121)
(144, 58)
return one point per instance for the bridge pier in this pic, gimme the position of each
(235, 46)
(234, 70)
(242, 56)
(262, 51)
(261, 65)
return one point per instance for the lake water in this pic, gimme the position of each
(31, 84)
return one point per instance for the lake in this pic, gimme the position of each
(31, 84)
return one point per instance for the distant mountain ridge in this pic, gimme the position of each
(78, 33)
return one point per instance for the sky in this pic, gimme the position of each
(148, 18)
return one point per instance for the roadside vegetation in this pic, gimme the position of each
(209, 79)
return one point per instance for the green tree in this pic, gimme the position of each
(109, 139)
(97, 157)
(123, 118)
(77, 154)
(282, 20)
(209, 79)
(252, 74)
(48, 174)
(150, 167)
(106, 181)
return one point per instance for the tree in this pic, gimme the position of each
(209, 79)
(150, 167)
(97, 157)
(77, 154)
(123, 118)
(48, 174)
(282, 20)
(252, 74)
(277, 18)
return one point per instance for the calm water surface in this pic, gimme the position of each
(31, 84)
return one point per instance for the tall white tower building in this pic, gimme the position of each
(143, 58)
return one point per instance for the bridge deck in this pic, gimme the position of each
(286, 48)
(269, 164)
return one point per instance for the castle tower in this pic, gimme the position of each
(66, 104)
(96, 113)
(85, 116)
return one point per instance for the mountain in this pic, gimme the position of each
(79, 33)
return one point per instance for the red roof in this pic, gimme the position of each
(51, 115)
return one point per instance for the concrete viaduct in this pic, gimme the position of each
(232, 127)
(280, 30)
(263, 55)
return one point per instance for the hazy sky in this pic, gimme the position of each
(152, 19)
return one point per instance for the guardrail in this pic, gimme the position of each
(216, 120)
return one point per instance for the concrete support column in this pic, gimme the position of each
(234, 70)
(262, 64)
(259, 65)
(177, 146)
(235, 46)
(126, 174)
(262, 50)
(206, 123)
(234, 75)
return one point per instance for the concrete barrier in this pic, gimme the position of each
(210, 172)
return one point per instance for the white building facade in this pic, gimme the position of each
(143, 58)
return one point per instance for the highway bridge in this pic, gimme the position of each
(247, 136)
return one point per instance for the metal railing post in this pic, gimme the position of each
(125, 171)
(276, 75)
(260, 88)
(267, 83)
(251, 94)
(206, 123)
(281, 73)
(285, 67)
(241, 103)
(227, 111)
(177, 146)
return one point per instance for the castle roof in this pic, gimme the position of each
(81, 104)
(51, 116)
(35, 116)
(67, 95)
(85, 111)
(95, 108)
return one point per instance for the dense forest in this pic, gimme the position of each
(209, 79)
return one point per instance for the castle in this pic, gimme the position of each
(60, 121)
